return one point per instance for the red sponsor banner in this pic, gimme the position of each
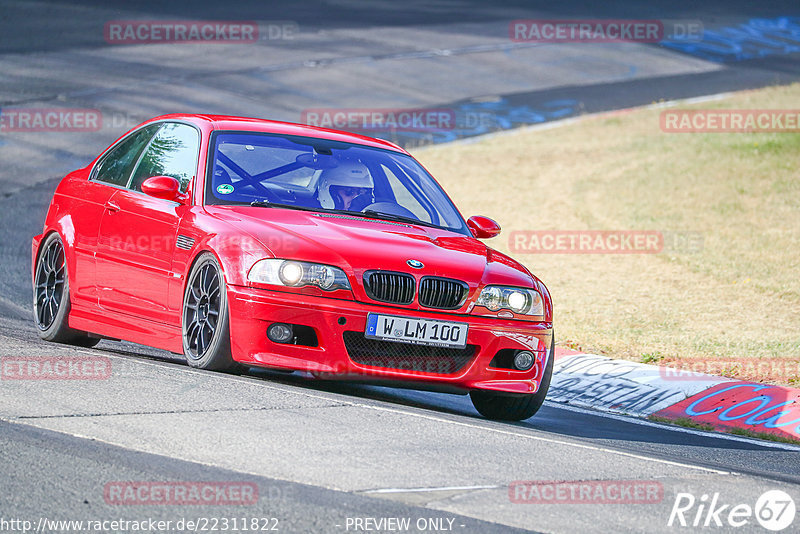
(730, 120)
(179, 31)
(744, 405)
(55, 368)
(50, 120)
(586, 242)
(143, 493)
(381, 119)
(742, 368)
(586, 31)
(586, 492)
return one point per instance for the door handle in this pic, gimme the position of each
(112, 206)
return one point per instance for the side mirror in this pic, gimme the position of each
(483, 227)
(164, 187)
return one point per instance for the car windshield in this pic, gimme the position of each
(248, 168)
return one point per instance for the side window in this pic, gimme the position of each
(172, 152)
(117, 165)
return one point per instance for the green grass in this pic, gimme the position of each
(682, 421)
(763, 435)
(689, 423)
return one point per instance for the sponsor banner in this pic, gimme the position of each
(620, 386)
(744, 405)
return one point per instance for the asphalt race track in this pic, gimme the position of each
(324, 454)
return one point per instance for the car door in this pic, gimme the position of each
(90, 199)
(137, 232)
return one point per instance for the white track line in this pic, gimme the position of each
(447, 421)
(425, 490)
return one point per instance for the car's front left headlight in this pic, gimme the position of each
(519, 300)
(291, 273)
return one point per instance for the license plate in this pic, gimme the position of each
(416, 331)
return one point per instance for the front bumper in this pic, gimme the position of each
(253, 310)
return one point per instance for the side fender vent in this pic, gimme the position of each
(184, 242)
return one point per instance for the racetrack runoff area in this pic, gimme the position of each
(676, 248)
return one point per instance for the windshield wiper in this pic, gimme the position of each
(391, 216)
(268, 204)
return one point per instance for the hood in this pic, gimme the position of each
(358, 244)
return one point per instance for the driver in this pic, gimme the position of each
(346, 187)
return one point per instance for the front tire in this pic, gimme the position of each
(51, 303)
(205, 325)
(517, 407)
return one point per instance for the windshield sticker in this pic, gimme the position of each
(225, 189)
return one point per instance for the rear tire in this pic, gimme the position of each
(205, 327)
(51, 296)
(514, 407)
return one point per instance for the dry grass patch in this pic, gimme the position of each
(737, 297)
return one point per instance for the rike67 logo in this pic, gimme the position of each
(774, 510)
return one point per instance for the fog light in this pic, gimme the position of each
(523, 360)
(280, 332)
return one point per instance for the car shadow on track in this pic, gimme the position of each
(552, 419)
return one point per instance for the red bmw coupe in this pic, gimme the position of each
(246, 242)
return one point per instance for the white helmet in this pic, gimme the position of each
(346, 176)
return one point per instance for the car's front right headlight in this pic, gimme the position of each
(519, 300)
(291, 273)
